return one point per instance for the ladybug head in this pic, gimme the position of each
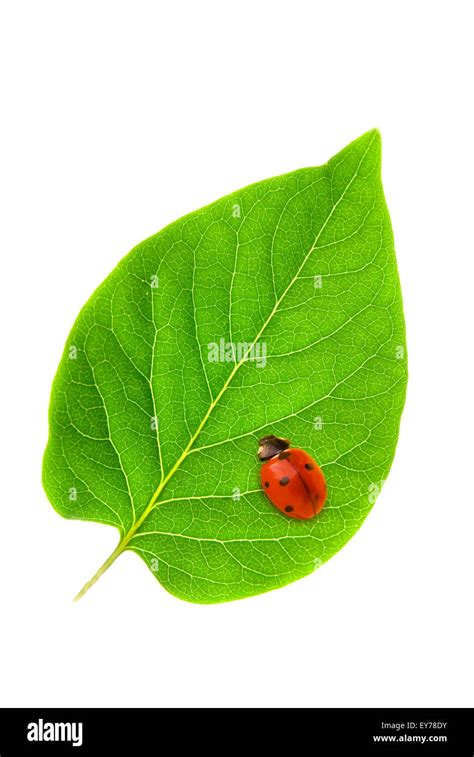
(269, 446)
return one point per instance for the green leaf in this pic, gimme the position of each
(150, 435)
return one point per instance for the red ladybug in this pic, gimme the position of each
(291, 479)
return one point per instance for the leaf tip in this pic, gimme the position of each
(371, 138)
(369, 143)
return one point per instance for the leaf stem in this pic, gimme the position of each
(111, 558)
(121, 546)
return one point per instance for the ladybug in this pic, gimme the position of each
(291, 479)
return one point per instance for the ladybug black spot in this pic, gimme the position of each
(289, 509)
(284, 455)
(308, 466)
(267, 484)
(284, 481)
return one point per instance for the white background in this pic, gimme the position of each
(119, 117)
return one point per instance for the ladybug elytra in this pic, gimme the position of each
(291, 479)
